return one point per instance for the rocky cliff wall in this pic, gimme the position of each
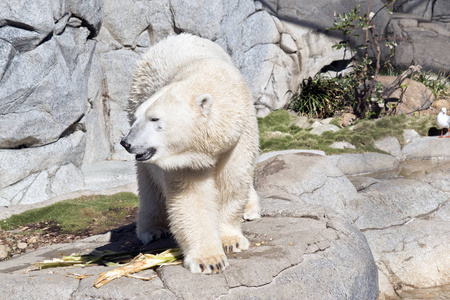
(66, 65)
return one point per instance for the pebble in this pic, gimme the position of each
(4, 251)
(32, 240)
(22, 245)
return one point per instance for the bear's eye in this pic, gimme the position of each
(154, 119)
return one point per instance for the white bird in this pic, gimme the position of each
(443, 121)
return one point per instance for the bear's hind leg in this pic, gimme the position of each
(231, 211)
(252, 209)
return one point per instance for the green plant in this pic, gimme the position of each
(318, 97)
(438, 86)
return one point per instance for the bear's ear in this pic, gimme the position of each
(204, 102)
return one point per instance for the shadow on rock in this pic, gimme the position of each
(124, 239)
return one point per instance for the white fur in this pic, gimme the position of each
(190, 104)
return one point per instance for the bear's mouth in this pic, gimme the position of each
(146, 155)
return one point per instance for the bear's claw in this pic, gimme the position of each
(210, 265)
(234, 244)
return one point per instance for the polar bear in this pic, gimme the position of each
(195, 136)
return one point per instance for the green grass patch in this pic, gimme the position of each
(277, 132)
(97, 213)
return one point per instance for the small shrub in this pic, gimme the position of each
(317, 97)
(438, 86)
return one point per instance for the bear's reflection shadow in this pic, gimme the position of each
(124, 239)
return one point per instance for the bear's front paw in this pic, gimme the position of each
(234, 243)
(206, 264)
(154, 234)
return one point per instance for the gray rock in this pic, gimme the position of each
(415, 254)
(441, 12)
(342, 145)
(396, 201)
(26, 176)
(268, 155)
(16, 165)
(126, 25)
(421, 43)
(362, 182)
(50, 94)
(352, 164)
(427, 148)
(66, 179)
(410, 135)
(404, 222)
(416, 7)
(25, 24)
(6, 55)
(3, 252)
(403, 219)
(96, 121)
(263, 68)
(109, 174)
(161, 22)
(305, 179)
(118, 67)
(301, 121)
(287, 43)
(305, 22)
(416, 96)
(259, 28)
(323, 128)
(90, 12)
(197, 18)
(390, 145)
(301, 257)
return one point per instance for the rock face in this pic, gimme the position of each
(44, 78)
(66, 66)
(310, 253)
(404, 219)
(407, 232)
(424, 27)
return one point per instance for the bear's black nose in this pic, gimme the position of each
(125, 144)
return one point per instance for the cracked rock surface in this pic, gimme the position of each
(311, 253)
(404, 214)
(405, 221)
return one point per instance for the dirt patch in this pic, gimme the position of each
(33, 236)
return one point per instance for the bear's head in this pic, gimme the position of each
(168, 124)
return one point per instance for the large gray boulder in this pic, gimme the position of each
(392, 146)
(420, 41)
(406, 224)
(430, 147)
(33, 175)
(43, 82)
(294, 180)
(360, 163)
(404, 219)
(311, 253)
